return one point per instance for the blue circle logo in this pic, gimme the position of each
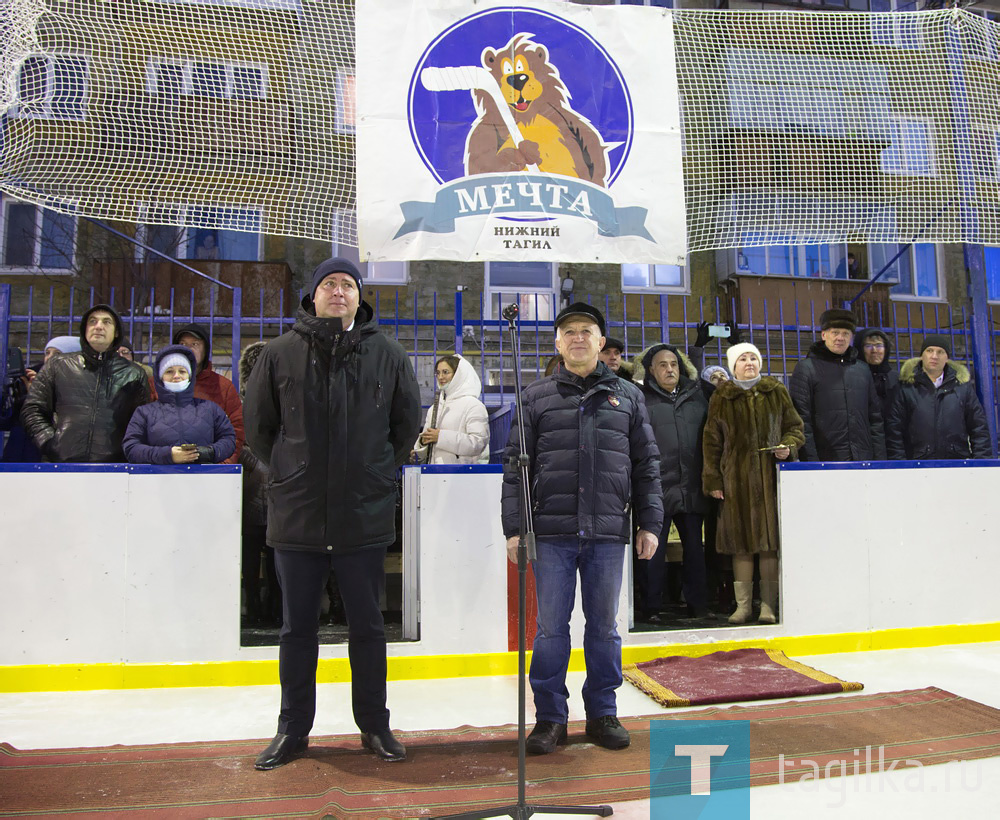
(512, 90)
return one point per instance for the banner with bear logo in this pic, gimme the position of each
(548, 131)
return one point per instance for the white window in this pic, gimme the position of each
(52, 87)
(897, 30)
(170, 77)
(36, 238)
(911, 152)
(655, 278)
(345, 240)
(916, 273)
(198, 232)
(344, 114)
(795, 256)
(531, 285)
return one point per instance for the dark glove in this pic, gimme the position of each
(734, 335)
(702, 339)
(49, 449)
(206, 455)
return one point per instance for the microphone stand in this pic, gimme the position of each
(525, 552)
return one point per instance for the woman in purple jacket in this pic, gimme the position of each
(178, 428)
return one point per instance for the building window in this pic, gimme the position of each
(992, 273)
(52, 87)
(654, 278)
(896, 30)
(345, 241)
(915, 273)
(168, 77)
(36, 237)
(531, 285)
(344, 114)
(828, 261)
(911, 152)
(195, 232)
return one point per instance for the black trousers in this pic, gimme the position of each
(360, 575)
(689, 529)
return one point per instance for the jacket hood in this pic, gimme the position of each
(466, 381)
(642, 362)
(162, 393)
(819, 350)
(248, 358)
(115, 343)
(912, 367)
(859, 345)
(732, 391)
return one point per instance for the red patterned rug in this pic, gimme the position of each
(470, 768)
(730, 677)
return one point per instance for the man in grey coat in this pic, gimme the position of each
(332, 408)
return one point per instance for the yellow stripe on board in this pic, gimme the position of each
(79, 677)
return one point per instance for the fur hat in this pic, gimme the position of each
(936, 340)
(248, 358)
(838, 318)
(736, 351)
(336, 265)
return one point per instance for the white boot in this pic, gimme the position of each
(744, 592)
(768, 602)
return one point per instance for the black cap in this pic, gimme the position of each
(936, 340)
(838, 318)
(611, 342)
(580, 310)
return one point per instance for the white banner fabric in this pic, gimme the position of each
(544, 132)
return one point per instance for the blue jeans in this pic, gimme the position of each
(600, 566)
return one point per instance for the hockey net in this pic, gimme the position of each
(799, 127)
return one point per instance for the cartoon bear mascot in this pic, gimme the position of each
(556, 140)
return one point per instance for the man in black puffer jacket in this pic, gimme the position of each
(79, 405)
(593, 459)
(677, 410)
(332, 408)
(874, 347)
(936, 413)
(834, 394)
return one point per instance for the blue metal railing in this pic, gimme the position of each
(443, 323)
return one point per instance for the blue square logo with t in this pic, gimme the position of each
(699, 769)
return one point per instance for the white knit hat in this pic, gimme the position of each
(174, 360)
(738, 350)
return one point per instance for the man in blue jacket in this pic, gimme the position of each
(593, 459)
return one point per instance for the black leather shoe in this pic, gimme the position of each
(280, 751)
(545, 737)
(608, 732)
(384, 745)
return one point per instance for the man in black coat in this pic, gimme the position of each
(834, 394)
(612, 355)
(332, 408)
(79, 405)
(677, 410)
(593, 459)
(874, 347)
(936, 413)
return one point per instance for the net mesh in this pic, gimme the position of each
(799, 127)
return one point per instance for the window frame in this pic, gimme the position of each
(186, 65)
(36, 253)
(683, 289)
(490, 291)
(938, 270)
(47, 113)
(931, 146)
(185, 244)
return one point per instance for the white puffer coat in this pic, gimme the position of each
(462, 420)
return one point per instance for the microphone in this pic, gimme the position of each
(510, 312)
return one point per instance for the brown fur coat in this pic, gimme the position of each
(740, 422)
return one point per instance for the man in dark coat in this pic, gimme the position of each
(79, 405)
(677, 410)
(332, 409)
(834, 394)
(936, 413)
(874, 347)
(612, 354)
(593, 458)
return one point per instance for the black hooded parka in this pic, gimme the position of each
(332, 413)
